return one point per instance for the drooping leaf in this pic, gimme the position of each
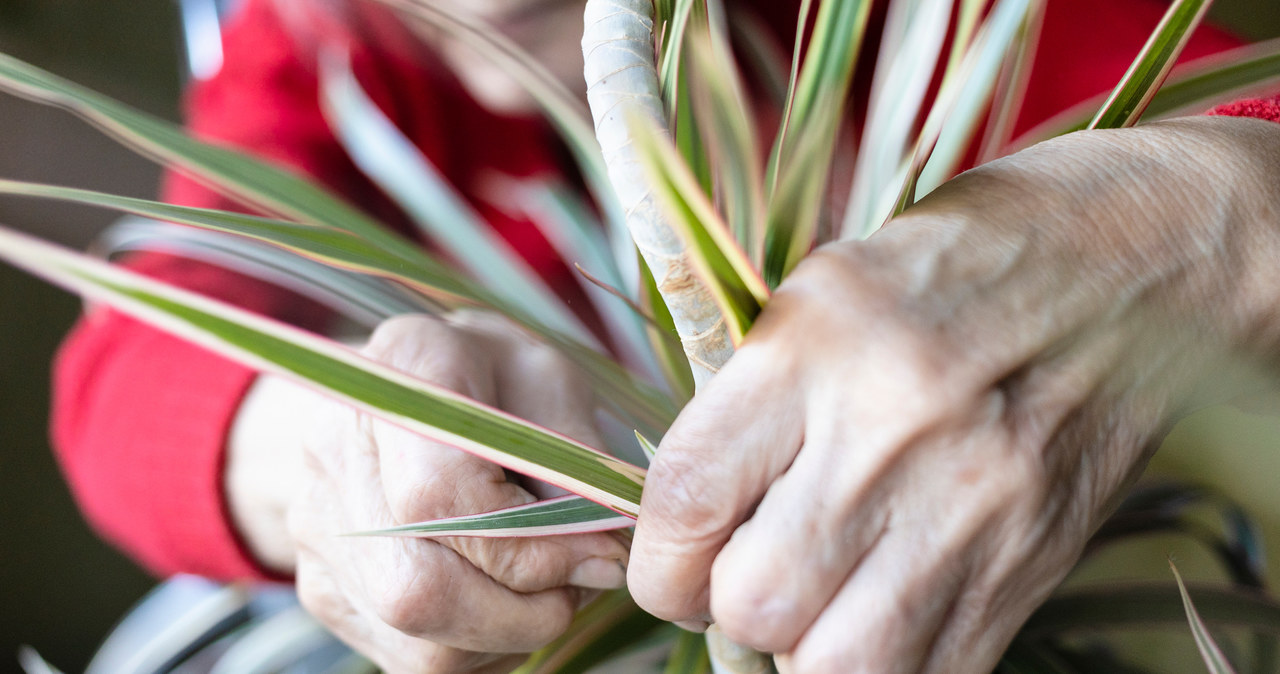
(1134, 92)
(552, 517)
(1213, 657)
(362, 299)
(274, 347)
(632, 399)
(252, 181)
(392, 161)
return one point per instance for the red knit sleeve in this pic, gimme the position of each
(1260, 108)
(139, 417)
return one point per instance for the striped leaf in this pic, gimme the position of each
(1134, 92)
(716, 257)
(256, 183)
(1207, 80)
(394, 163)
(552, 517)
(650, 450)
(799, 166)
(1213, 657)
(274, 347)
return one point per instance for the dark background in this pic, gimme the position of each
(60, 588)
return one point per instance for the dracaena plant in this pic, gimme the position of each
(677, 172)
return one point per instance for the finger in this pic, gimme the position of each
(728, 445)
(418, 587)
(537, 383)
(392, 650)
(424, 480)
(447, 483)
(887, 614)
(780, 568)
(817, 521)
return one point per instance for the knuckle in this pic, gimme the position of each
(391, 332)
(754, 616)
(317, 597)
(415, 603)
(520, 566)
(675, 496)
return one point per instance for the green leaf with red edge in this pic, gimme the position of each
(1148, 71)
(552, 517)
(274, 347)
(1213, 657)
(256, 183)
(738, 290)
(1207, 80)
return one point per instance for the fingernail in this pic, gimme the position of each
(599, 573)
(693, 626)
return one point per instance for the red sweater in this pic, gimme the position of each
(140, 419)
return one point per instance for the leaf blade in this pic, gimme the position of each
(1148, 71)
(552, 517)
(271, 346)
(1213, 657)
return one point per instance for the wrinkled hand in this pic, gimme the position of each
(449, 604)
(913, 444)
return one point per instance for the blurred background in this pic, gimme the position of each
(60, 588)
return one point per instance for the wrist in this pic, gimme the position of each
(263, 462)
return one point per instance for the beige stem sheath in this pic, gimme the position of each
(622, 87)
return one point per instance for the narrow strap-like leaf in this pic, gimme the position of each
(274, 347)
(362, 299)
(1148, 71)
(1150, 605)
(915, 32)
(604, 629)
(250, 180)
(799, 165)
(689, 655)
(650, 450)
(1216, 78)
(552, 517)
(1213, 657)
(394, 163)
(721, 264)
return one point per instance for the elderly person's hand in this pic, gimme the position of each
(916, 439)
(412, 605)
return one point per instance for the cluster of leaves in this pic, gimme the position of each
(744, 216)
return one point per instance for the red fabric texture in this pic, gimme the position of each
(140, 418)
(1262, 108)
